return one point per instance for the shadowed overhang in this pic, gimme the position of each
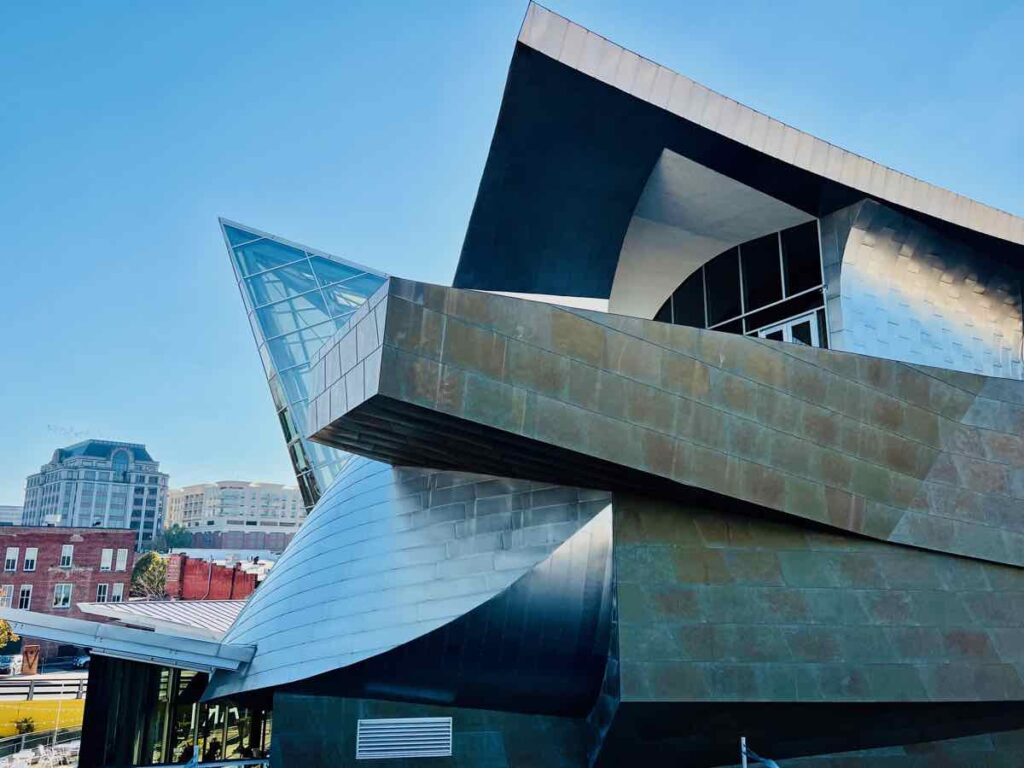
(581, 129)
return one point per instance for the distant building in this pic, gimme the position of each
(229, 556)
(219, 540)
(99, 484)
(10, 514)
(191, 578)
(257, 561)
(236, 506)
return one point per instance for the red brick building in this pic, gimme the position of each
(190, 578)
(51, 570)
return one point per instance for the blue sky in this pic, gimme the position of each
(361, 128)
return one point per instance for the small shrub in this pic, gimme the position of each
(25, 725)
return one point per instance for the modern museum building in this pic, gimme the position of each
(717, 433)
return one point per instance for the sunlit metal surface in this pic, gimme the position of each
(549, 631)
(390, 554)
(903, 291)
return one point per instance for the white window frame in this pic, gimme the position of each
(102, 591)
(67, 555)
(106, 559)
(6, 595)
(122, 560)
(25, 596)
(59, 602)
(31, 556)
(117, 593)
(786, 327)
(11, 560)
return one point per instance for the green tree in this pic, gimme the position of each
(175, 536)
(149, 576)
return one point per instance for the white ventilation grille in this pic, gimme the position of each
(404, 737)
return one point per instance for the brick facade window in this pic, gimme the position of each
(101, 592)
(6, 595)
(11, 559)
(62, 595)
(56, 568)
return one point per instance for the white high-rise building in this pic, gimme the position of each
(99, 484)
(236, 505)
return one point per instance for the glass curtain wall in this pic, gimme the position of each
(296, 298)
(759, 288)
(142, 714)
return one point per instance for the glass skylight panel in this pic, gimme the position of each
(293, 314)
(331, 271)
(351, 294)
(297, 348)
(281, 283)
(296, 390)
(238, 236)
(296, 301)
(265, 254)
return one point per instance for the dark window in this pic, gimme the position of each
(665, 313)
(782, 311)
(736, 326)
(119, 463)
(722, 277)
(688, 301)
(801, 258)
(762, 279)
(822, 328)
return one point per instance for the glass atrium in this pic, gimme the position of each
(296, 298)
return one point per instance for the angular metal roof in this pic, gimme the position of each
(152, 647)
(582, 125)
(199, 618)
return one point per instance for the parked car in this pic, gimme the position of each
(10, 664)
(81, 662)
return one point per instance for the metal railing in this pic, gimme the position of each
(28, 688)
(11, 745)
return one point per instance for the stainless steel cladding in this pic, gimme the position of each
(390, 554)
(901, 290)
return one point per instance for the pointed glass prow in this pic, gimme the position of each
(296, 297)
